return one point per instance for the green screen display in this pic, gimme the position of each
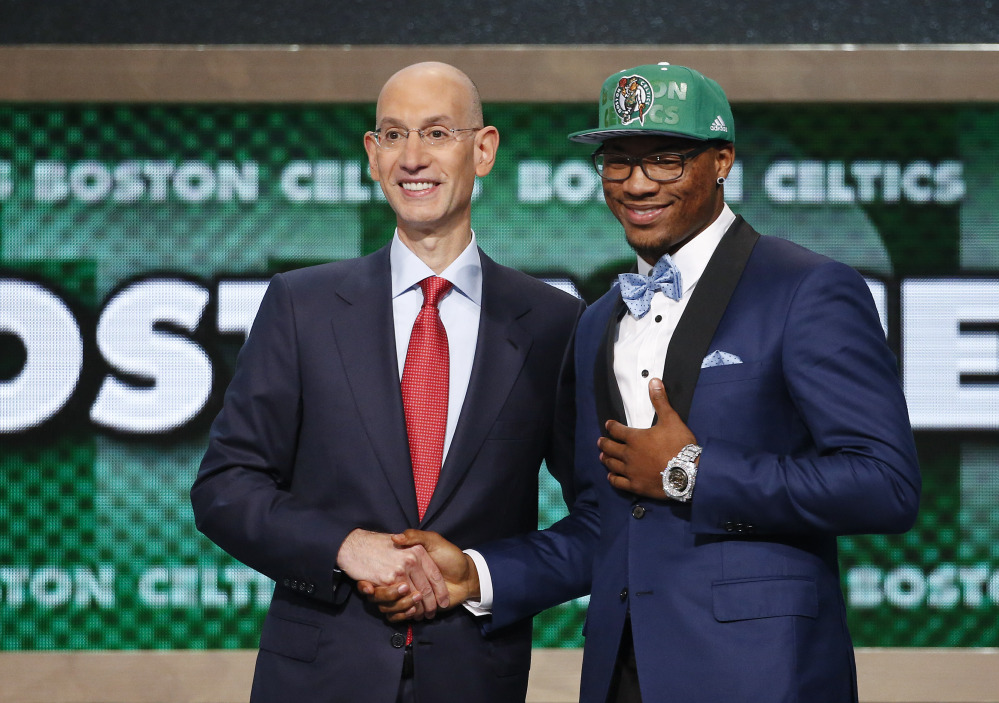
(135, 242)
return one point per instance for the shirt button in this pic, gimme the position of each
(645, 373)
(638, 512)
(398, 640)
(659, 318)
(623, 595)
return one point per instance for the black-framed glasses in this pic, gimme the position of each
(660, 166)
(433, 136)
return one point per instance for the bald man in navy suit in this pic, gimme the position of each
(310, 464)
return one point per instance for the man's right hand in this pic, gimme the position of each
(457, 568)
(378, 560)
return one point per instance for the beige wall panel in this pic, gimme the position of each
(807, 73)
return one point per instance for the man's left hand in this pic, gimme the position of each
(636, 457)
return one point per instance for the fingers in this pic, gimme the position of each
(615, 466)
(387, 595)
(412, 538)
(428, 579)
(438, 586)
(420, 569)
(617, 431)
(612, 449)
(622, 483)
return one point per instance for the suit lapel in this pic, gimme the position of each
(606, 394)
(365, 337)
(704, 311)
(500, 352)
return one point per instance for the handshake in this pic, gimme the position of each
(411, 575)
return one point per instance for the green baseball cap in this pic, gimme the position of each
(661, 100)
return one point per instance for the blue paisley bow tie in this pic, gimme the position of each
(637, 290)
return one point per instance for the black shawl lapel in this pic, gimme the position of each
(704, 311)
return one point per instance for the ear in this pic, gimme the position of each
(486, 144)
(371, 147)
(725, 159)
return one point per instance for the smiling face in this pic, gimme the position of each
(658, 218)
(430, 188)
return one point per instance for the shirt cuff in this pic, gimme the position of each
(484, 606)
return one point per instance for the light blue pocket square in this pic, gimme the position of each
(719, 358)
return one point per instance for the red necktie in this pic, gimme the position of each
(425, 390)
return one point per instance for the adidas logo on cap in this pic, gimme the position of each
(718, 125)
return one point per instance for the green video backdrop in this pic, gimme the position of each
(135, 240)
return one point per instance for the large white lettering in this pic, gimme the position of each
(175, 373)
(950, 335)
(946, 587)
(53, 354)
(837, 182)
(92, 181)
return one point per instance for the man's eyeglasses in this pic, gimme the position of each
(661, 167)
(434, 136)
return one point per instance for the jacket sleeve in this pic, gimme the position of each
(541, 569)
(856, 469)
(240, 497)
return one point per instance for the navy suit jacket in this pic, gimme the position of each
(311, 443)
(734, 596)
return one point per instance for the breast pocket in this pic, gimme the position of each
(730, 372)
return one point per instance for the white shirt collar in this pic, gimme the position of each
(692, 258)
(465, 272)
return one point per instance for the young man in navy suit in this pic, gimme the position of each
(419, 386)
(709, 501)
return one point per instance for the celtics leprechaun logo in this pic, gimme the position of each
(632, 99)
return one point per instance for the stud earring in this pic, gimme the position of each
(720, 180)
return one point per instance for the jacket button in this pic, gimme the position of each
(623, 595)
(729, 527)
(311, 589)
(398, 640)
(638, 512)
(286, 583)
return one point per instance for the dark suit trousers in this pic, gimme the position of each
(624, 685)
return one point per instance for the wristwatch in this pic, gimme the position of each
(680, 473)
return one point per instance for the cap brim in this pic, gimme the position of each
(595, 136)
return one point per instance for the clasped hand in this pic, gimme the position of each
(447, 576)
(635, 458)
(378, 561)
(459, 580)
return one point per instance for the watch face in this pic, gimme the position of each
(678, 479)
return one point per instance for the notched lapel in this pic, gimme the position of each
(365, 337)
(500, 351)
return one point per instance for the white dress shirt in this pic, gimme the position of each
(459, 309)
(640, 345)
